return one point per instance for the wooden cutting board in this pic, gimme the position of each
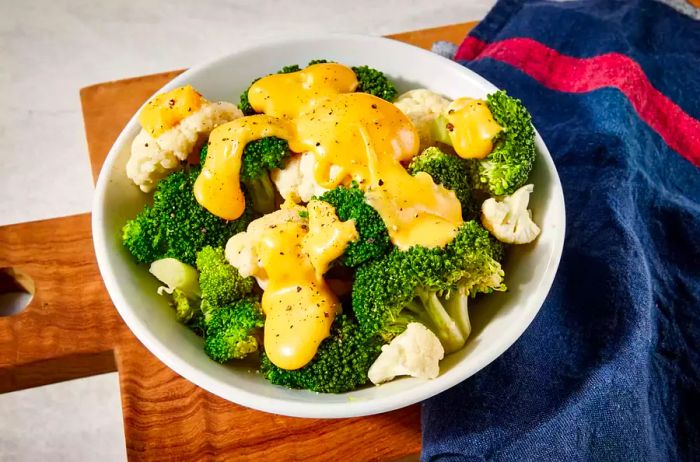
(71, 330)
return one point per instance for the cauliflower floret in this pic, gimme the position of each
(152, 159)
(241, 248)
(422, 107)
(296, 181)
(509, 219)
(416, 352)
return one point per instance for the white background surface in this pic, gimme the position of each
(48, 51)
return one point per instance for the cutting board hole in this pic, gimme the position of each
(16, 291)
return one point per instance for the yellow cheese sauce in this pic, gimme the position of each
(328, 236)
(472, 128)
(292, 94)
(218, 186)
(299, 306)
(314, 112)
(292, 251)
(414, 209)
(166, 110)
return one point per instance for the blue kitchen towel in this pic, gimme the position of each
(610, 368)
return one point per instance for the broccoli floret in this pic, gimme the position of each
(373, 242)
(182, 283)
(231, 318)
(375, 83)
(452, 172)
(428, 285)
(370, 81)
(220, 283)
(340, 365)
(289, 69)
(203, 153)
(186, 309)
(244, 104)
(259, 157)
(176, 225)
(509, 164)
(144, 236)
(232, 331)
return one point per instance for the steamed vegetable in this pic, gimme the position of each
(450, 171)
(259, 158)
(176, 225)
(428, 285)
(415, 352)
(375, 83)
(508, 165)
(509, 219)
(232, 331)
(340, 365)
(349, 203)
(182, 285)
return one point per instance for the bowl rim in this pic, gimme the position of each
(298, 408)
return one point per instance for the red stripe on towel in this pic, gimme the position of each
(579, 75)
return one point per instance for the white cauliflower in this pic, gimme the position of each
(154, 158)
(296, 180)
(422, 107)
(241, 248)
(416, 352)
(509, 219)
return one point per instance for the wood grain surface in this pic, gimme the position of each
(71, 330)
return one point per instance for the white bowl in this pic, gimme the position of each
(498, 320)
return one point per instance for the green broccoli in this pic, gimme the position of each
(508, 166)
(340, 365)
(176, 225)
(182, 283)
(451, 171)
(220, 283)
(318, 61)
(203, 154)
(370, 81)
(373, 239)
(232, 331)
(232, 318)
(375, 83)
(187, 309)
(259, 157)
(428, 285)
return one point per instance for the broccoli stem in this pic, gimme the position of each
(262, 193)
(446, 329)
(457, 308)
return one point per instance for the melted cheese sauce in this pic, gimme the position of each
(472, 128)
(299, 306)
(295, 93)
(291, 253)
(218, 186)
(166, 110)
(363, 137)
(328, 236)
